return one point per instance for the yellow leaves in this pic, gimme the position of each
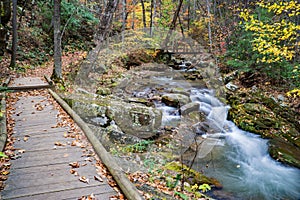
(244, 15)
(293, 93)
(274, 39)
(292, 8)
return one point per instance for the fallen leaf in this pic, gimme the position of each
(83, 164)
(91, 197)
(88, 159)
(84, 179)
(98, 178)
(74, 164)
(75, 143)
(26, 138)
(59, 144)
(5, 172)
(72, 171)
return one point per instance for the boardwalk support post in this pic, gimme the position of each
(129, 190)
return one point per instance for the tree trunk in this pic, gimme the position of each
(176, 14)
(57, 72)
(14, 36)
(209, 25)
(106, 20)
(144, 13)
(173, 23)
(124, 18)
(151, 16)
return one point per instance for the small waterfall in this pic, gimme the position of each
(245, 167)
(240, 159)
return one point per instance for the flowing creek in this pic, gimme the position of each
(239, 159)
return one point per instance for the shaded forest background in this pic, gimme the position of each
(260, 39)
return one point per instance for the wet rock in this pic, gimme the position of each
(175, 100)
(259, 114)
(188, 108)
(230, 86)
(280, 97)
(180, 90)
(284, 151)
(141, 101)
(229, 77)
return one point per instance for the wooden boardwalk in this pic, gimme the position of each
(44, 153)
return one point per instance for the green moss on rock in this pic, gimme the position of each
(192, 176)
(259, 114)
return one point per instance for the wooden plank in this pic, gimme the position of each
(102, 192)
(27, 83)
(39, 124)
(39, 144)
(57, 170)
(38, 179)
(34, 115)
(35, 158)
(30, 87)
(38, 132)
(59, 187)
(44, 168)
(40, 135)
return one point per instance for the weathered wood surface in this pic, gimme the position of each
(41, 169)
(26, 83)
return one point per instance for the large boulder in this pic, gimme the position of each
(132, 118)
(190, 107)
(175, 100)
(136, 119)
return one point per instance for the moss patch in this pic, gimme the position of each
(259, 114)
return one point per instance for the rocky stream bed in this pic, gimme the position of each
(160, 117)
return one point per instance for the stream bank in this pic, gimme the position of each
(253, 111)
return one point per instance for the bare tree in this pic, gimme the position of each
(106, 19)
(173, 23)
(15, 36)
(144, 13)
(151, 15)
(124, 18)
(209, 24)
(57, 71)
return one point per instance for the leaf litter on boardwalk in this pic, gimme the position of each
(63, 120)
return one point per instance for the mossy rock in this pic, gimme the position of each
(103, 91)
(175, 100)
(192, 176)
(284, 152)
(259, 114)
